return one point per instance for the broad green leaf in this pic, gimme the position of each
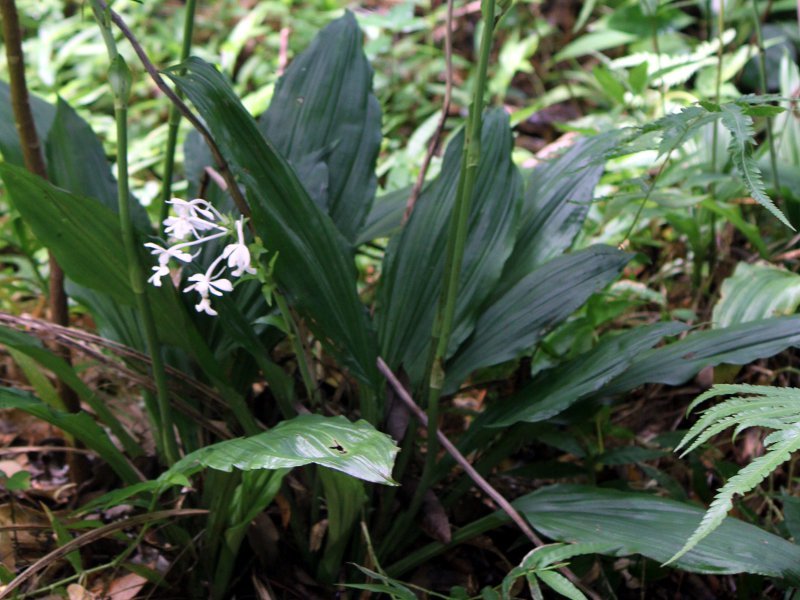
(325, 120)
(43, 115)
(314, 267)
(411, 279)
(594, 42)
(357, 449)
(515, 321)
(79, 425)
(85, 237)
(557, 199)
(757, 291)
(555, 390)
(560, 584)
(77, 162)
(740, 344)
(657, 528)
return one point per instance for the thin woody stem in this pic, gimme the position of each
(484, 485)
(34, 162)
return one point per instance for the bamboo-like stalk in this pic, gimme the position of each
(34, 162)
(119, 78)
(175, 119)
(456, 242)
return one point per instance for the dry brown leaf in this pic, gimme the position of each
(76, 591)
(318, 531)
(126, 587)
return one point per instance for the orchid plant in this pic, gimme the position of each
(199, 220)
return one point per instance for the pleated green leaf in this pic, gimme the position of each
(740, 344)
(314, 268)
(385, 216)
(411, 279)
(657, 528)
(79, 425)
(555, 390)
(357, 449)
(512, 323)
(557, 199)
(325, 120)
(756, 291)
(74, 155)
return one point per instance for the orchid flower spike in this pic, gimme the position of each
(199, 220)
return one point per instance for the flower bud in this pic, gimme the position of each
(119, 76)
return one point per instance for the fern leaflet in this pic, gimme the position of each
(776, 408)
(740, 126)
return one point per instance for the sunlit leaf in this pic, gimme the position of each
(357, 449)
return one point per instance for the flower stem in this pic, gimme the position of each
(175, 118)
(297, 345)
(119, 77)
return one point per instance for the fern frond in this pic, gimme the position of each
(675, 128)
(742, 132)
(783, 443)
(764, 417)
(769, 407)
(746, 412)
(727, 389)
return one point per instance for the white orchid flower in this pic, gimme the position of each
(164, 254)
(238, 254)
(205, 306)
(192, 217)
(202, 223)
(158, 272)
(204, 284)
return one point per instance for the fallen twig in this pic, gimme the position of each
(484, 485)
